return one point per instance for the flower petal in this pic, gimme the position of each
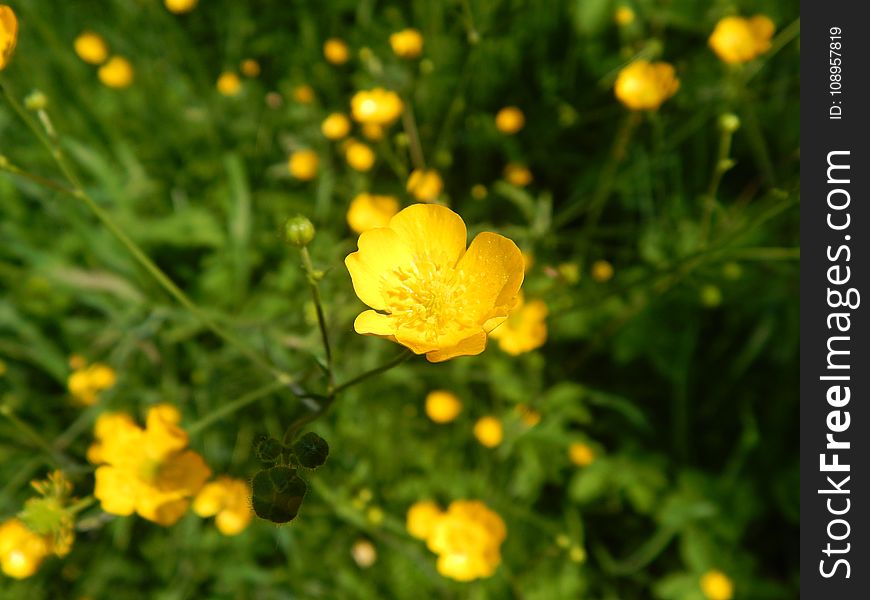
(432, 232)
(117, 490)
(372, 268)
(493, 273)
(374, 323)
(470, 346)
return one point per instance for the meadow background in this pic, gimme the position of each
(679, 371)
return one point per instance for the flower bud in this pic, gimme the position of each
(729, 122)
(298, 231)
(35, 101)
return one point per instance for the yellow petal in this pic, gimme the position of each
(432, 232)
(374, 323)
(116, 489)
(470, 346)
(493, 272)
(372, 268)
(185, 473)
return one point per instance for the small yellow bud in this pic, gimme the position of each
(250, 67)
(510, 120)
(303, 164)
(442, 406)
(117, 73)
(229, 84)
(488, 431)
(180, 6)
(729, 122)
(91, 48)
(623, 16)
(359, 156)
(478, 191)
(336, 126)
(336, 51)
(581, 454)
(517, 174)
(602, 271)
(407, 44)
(715, 585)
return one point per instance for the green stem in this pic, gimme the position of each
(402, 357)
(723, 163)
(81, 504)
(236, 405)
(643, 556)
(321, 318)
(36, 440)
(410, 125)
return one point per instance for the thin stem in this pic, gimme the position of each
(405, 355)
(723, 164)
(410, 125)
(81, 504)
(35, 438)
(236, 405)
(321, 318)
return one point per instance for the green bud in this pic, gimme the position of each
(711, 296)
(267, 449)
(732, 270)
(277, 494)
(311, 450)
(729, 122)
(298, 231)
(35, 100)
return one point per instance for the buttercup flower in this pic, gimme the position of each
(738, 40)
(421, 518)
(715, 585)
(359, 156)
(425, 185)
(228, 500)
(303, 94)
(336, 51)
(517, 174)
(377, 106)
(488, 431)
(428, 292)
(623, 16)
(250, 67)
(303, 164)
(117, 73)
(478, 191)
(147, 471)
(581, 454)
(524, 330)
(442, 406)
(602, 271)
(643, 85)
(21, 550)
(467, 539)
(368, 211)
(229, 84)
(86, 382)
(91, 48)
(528, 415)
(180, 6)
(8, 34)
(335, 127)
(407, 43)
(510, 120)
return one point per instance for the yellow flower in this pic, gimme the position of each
(623, 16)
(180, 6)
(229, 501)
(517, 174)
(488, 431)
(738, 40)
(303, 164)
(528, 415)
(336, 51)
(407, 43)
(421, 518)
(147, 471)
(715, 585)
(602, 271)
(428, 292)
(581, 454)
(425, 185)
(87, 382)
(91, 48)
(229, 84)
(373, 131)
(643, 85)
(8, 34)
(442, 406)
(21, 550)
(510, 120)
(117, 73)
(250, 67)
(364, 553)
(467, 539)
(303, 94)
(368, 211)
(336, 126)
(359, 156)
(478, 191)
(524, 330)
(377, 106)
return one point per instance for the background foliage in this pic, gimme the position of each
(680, 371)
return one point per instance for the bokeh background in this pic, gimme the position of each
(672, 333)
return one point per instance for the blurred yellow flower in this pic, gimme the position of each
(8, 34)
(510, 120)
(335, 126)
(368, 211)
(602, 271)
(147, 471)
(303, 94)
(643, 85)
(229, 84)
(336, 51)
(488, 431)
(373, 132)
(623, 16)
(524, 330)
(377, 106)
(715, 585)
(442, 406)
(467, 539)
(738, 40)
(581, 454)
(364, 553)
(428, 292)
(425, 185)
(86, 382)
(478, 191)
(528, 415)
(228, 500)
(303, 164)
(359, 156)
(421, 518)
(117, 73)
(180, 6)
(517, 174)
(21, 550)
(91, 48)
(407, 43)
(250, 67)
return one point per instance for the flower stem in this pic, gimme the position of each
(313, 278)
(235, 405)
(723, 163)
(402, 357)
(410, 125)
